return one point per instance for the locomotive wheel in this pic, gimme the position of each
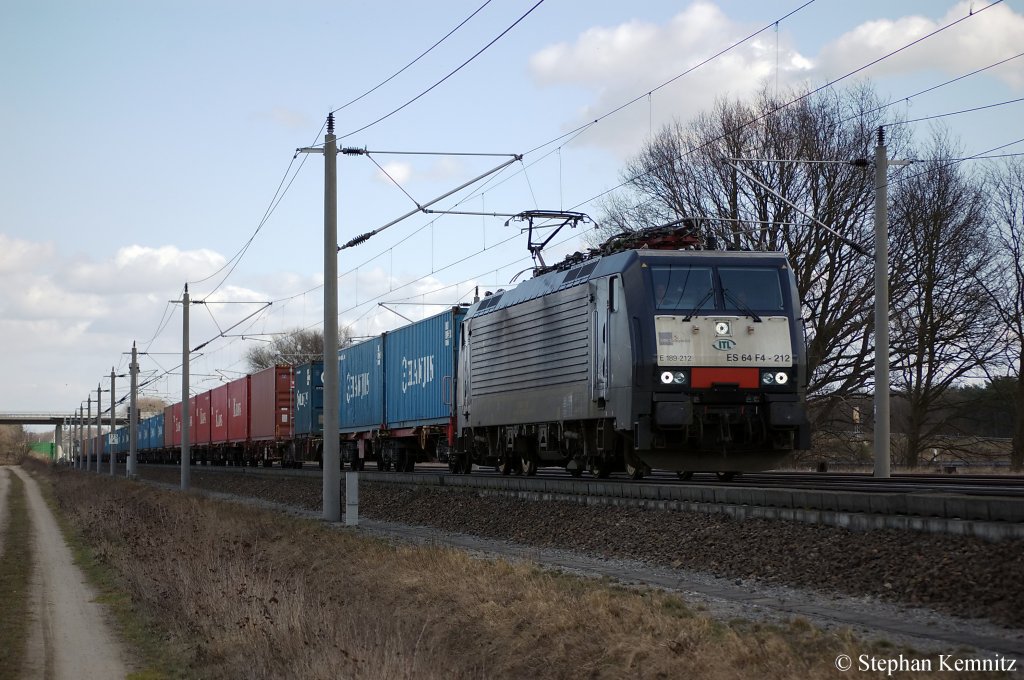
(635, 470)
(684, 474)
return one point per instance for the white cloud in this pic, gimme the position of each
(442, 169)
(17, 256)
(609, 59)
(620, 63)
(293, 120)
(398, 171)
(141, 268)
(984, 39)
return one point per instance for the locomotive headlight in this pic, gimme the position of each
(781, 378)
(722, 328)
(767, 379)
(673, 378)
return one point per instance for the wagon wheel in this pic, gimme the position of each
(599, 467)
(725, 476)
(529, 465)
(635, 470)
(684, 474)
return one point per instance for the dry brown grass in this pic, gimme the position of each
(246, 593)
(15, 571)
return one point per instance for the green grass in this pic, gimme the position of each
(15, 572)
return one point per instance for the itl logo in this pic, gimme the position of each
(723, 344)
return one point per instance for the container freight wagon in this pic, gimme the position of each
(397, 393)
(361, 398)
(270, 414)
(237, 421)
(219, 416)
(200, 427)
(152, 433)
(308, 397)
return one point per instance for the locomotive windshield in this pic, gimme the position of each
(681, 287)
(692, 288)
(751, 288)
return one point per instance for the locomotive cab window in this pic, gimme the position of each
(756, 288)
(683, 287)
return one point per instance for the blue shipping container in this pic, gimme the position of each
(309, 399)
(419, 370)
(154, 432)
(361, 386)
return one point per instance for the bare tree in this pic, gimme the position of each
(942, 317)
(684, 172)
(296, 347)
(14, 443)
(1007, 293)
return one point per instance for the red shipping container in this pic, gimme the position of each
(169, 427)
(271, 404)
(176, 425)
(238, 410)
(219, 414)
(201, 423)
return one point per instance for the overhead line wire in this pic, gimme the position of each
(573, 134)
(450, 74)
(422, 54)
(751, 122)
(955, 113)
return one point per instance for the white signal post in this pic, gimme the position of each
(883, 442)
(99, 426)
(113, 422)
(331, 452)
(186, 453)
(882, 425)
(133, 452)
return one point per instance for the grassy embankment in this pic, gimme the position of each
(15, 574)
(229, 591)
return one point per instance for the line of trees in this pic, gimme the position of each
(956, 242)
(14, 443)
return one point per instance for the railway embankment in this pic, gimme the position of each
(242, 590)
(959, 575)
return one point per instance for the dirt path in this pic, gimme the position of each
(69, 637)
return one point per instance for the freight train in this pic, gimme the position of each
(647, 352)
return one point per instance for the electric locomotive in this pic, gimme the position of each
(650, 357)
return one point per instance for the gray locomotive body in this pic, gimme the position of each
(673, 359)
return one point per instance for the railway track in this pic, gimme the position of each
(991, 507)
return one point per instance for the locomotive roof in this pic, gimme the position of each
(605, 266)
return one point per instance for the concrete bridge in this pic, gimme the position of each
(57, 420)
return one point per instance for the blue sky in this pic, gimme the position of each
(144, 143)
